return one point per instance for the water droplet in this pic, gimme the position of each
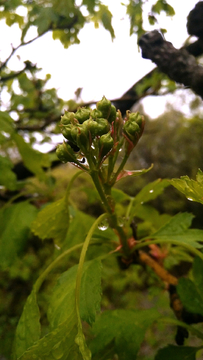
(57, 247)
(190, 199)
(151, 191)
(142, 202)
(103, 225)
(120, 221)
(57, 351)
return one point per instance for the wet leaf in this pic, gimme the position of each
(14, 230)
(28, 330)
(172, 352)
(52, 222)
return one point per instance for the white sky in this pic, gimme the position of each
(98, 65)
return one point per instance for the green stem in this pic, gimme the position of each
(120, 168)
(182, 324)
(113, 221)
(174, 242)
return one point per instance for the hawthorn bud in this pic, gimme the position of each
(96, 114)
(133, 127)
(66, 131)
(105, 144)
(103, 126)
(82, 114)
(105, 107)
(67, 118)
(91, 126)
(65, 153)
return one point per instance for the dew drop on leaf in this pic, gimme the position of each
(151, 191)
(190, 199)
(103, 225)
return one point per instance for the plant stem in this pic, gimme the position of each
(113, 221)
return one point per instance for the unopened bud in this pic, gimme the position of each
(105, 144)
(105, 107)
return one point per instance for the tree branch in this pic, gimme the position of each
(177, 64)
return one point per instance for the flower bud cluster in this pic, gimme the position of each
(97, 134)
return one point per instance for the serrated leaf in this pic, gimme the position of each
(28, 329)
(192, 189)
(63, 297)
(177, 229)
(16, 221)
(52, 222)
(172, 352)
(191, 299)
(151, 191)
(58, 344)
(33, 160)
(7, 176)
(125, 327)
(151, 215)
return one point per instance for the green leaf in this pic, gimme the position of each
(119, 196)
(14, 231)
(177, 229)
(198, 272)
(78, 229)
(52, 222)
(151, 191)
(90, 295)
(125, 327)
(7, 176)
(63, 297)
(151, 215)
(6, 123)
(33, 160)
(106, 17)
(191, 292)
(190, 297)
(28, 329)
(58, 344)
(172, 352)
(192, 189)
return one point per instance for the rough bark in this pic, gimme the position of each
(177, 64)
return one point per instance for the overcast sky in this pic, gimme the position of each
(98, 65)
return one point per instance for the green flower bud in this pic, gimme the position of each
(105, 144)
(66, 131)
(103, 126)
(82, 114)
(112, 116)
(105, 107)
(133, 127)
(83, 141)
(67, 118)
(132, 131)
(139, 119)
(96, 114)
(65, 153)
(91, 127)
